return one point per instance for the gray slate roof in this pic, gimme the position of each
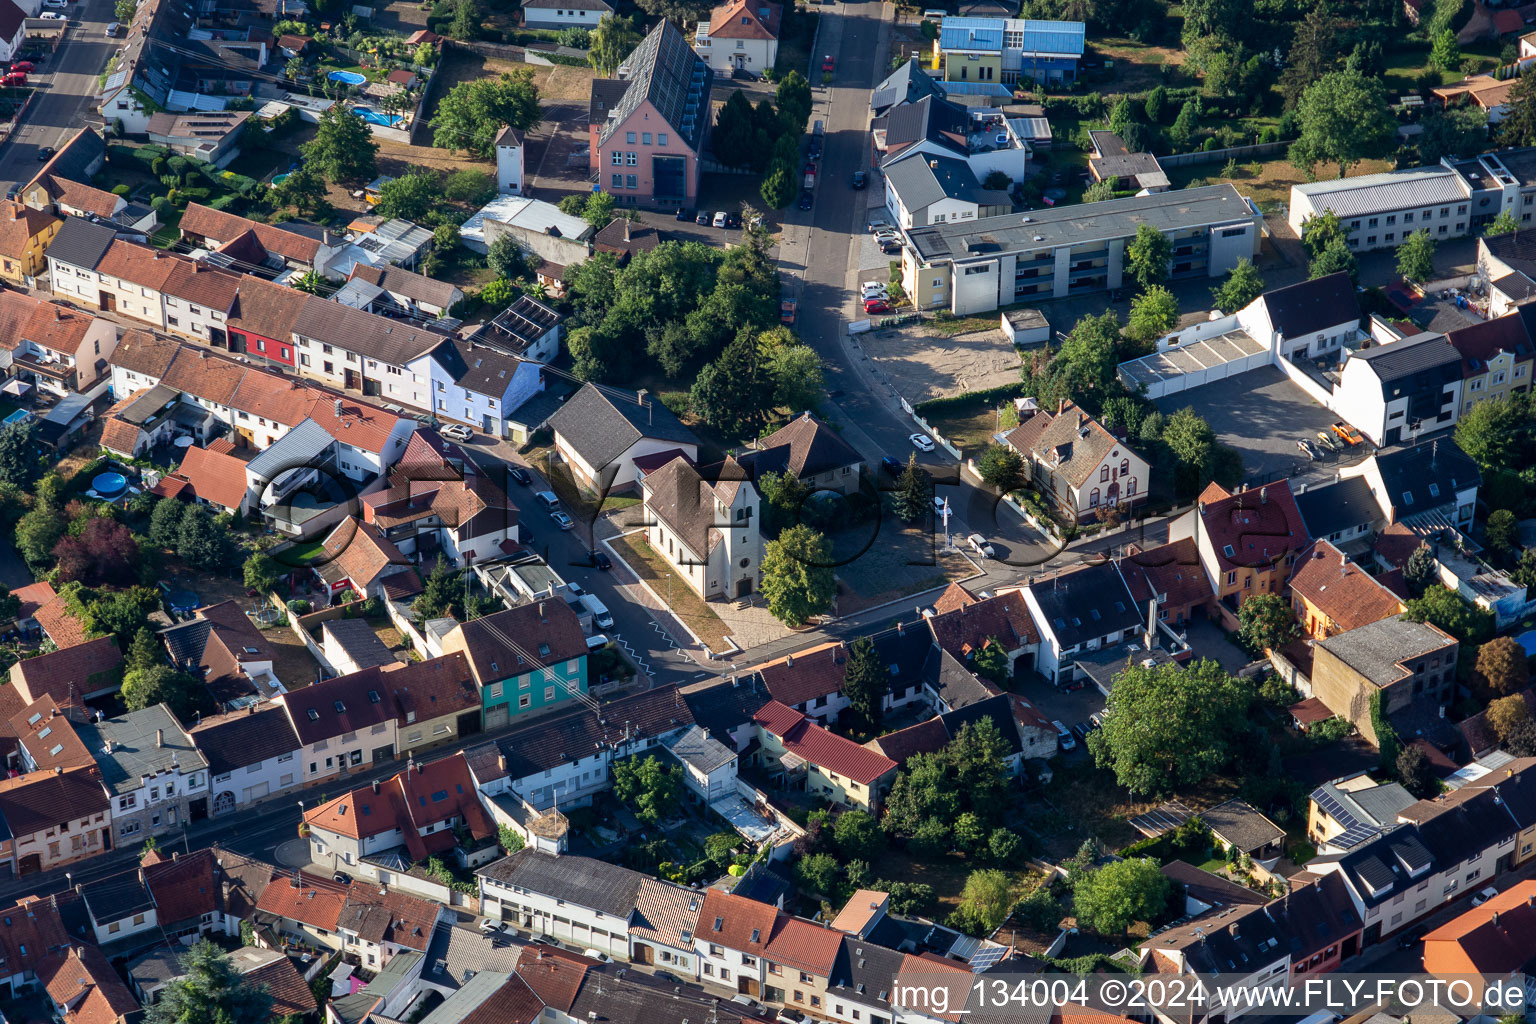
(1086, 603)
(1375, 650)
(602, 423)
(1241, 825)
(1440, 465)
(371, 335)
(1310, 306)
(134, 753)
(906, 84)
(457, 954)
(1336, 507)
(665, 70)
(81, 243)
(697, 748)
(1412, 355)
(922, 180)
(583, 881)
(485, 371)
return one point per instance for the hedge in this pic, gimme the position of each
(969, 398)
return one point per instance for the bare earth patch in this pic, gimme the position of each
(922, 363)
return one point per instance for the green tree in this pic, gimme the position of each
(468, 20)
(1320, 232)
(165, 522)
(1455, 131)
(1242, 286)
(970, 835)
(123, 11)
(991, 661)
(611, 42)
(1314, 53)
(648, 787)
(1491, 433)
(797, 579)
(731, 393)
(343, 148)
(201, 543)
(1083, 369)
(1100, 191)
(798, 381)
(785, 495)
(440, 592)
(210, 991)
(1110, 899)
(20, 465)
(473, 113)
(986, 900)
(1443, 52)
(1501, 668)
(36, 534)
(505, 258)
(1451, 612)
(162, 684)
(1420, 571)
(1416, 257)
(1265, 623)
(1154, 313)
(469, 186)
(793, 100)
(1184, 127)
(143, 653)
(1148, 256)
(410, 196)
(599, 210)
(858, 836)
(510, 839)
(1169, 726)
(1333, 260)
(1342, 118)
(261, 573)
(303, 189)
(1123, 116)
(1192, 443)
(1503, 224)
(1518, 126)
(819, 874)
(914, 492)
(1502, 530)
(1416, 773)
(735, 132)
(720, 849)
(1506, 713)
(1157, 104)
(1002, 467)
(778, 187)
(865, 684)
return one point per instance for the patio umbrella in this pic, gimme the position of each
(16, 386)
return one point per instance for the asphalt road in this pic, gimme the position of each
(66, 88)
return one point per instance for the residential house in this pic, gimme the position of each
(1112, 161)
(1396, 392)
(1003, 619)
(599, 433)
(302, 906)
(416, 813)
(1330, 594)
(526, 660)
(32, 932)
(804, 755)
(54, 818)
(78, 672)
(705, 529)
(798, 963)
(1025, 731)
(211, 137)
(556, 240)
(261, 323)
(1243, 941)
(1079, 464)
(277, 247)
(1237, 826)
(577, 900)
(666, 85)
(1515, 785)
(54, 348)
(437, 508)
(983, 139)
(371, 354)
(1341, 511)
(344, 724)
(1487, 941)
(199, 301)
(709, 766)
(528, 329)
(810, 681)
(125, 278)
(558, 14)
(980, 265)
(1009, 50)
(1496, 356)
(948, 684)
(1487, 92)
(213, 476)
(351, 645)
(1399, 663)
(45, 740)
(13, 30)
(25, 235)
(222, 647)
(740, 35)
(816, 454)
(1430, 483)
(731, 939)
(402, 292)
(438, 700)
(150, 419)
(907, 84)
(253, 755)
(1505, 264)
(661, 928)
(83, 988)
(157, 779)
(481, 386)
(379, 927)
(923, 189)
(64, 195)
(1171, 575)
(363, 561)
(1248, 542)
(1348, 811)
(1086, 609)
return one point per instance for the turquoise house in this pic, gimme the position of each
(527, 660)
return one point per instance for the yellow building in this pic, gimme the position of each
(821, 762)
(1330, 594)
(1496, 356)
(24, 235)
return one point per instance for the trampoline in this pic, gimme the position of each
(109, 485)
(350, 77)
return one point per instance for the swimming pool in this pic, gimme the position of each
(109, 485)
(19, 416)
(374, 117)
(350, 77)
(1527, 640)
(279, 179)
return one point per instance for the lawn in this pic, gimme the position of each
(298, 554)
(169, 232)
(686, 605)
(581, 504)
(968, 426)
(946, 874)
(795, 43)
(1271, 186)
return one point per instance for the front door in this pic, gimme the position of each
(198, 809)
(644, 954)
(744, 586)
(107, 302)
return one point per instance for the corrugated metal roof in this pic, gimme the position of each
(1052, 36)
(971, 34)
(1391, 190)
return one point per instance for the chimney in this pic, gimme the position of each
(501, 761)
(1263, 495)
(626, 229)
(159, 737)
(1494, 919)
(375, 787)
(542, 619)
(337, 406)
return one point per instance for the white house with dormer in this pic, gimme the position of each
(706, 529)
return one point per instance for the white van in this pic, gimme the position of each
(597, 641)
(600, 613)
(1064, 737)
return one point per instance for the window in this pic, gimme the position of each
(631, 181)
(629, 137)
(1093, 498)
(631, 158)
(661, 140)
(1103, 474)
(524, 701)
(616, 158)
(618, 179)
(645, 138)
(549, 694)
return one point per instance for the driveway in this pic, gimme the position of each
(66, 87)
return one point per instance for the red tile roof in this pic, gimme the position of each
(84, 983)
(430, 689)
(824, 749)
(554, 974)
(355, 693)
(139, 264)
(361, 555)
(314, 900)
(1340, 589)
(38, 801)
(49, 737)
(184, 887)
(1494, 938)
(805, 946)
(954, 596)
(1396, 543)
(31, 931)
(744, 19)
(32, 597)
(410, 801)
(1004, 617)
(80, 196)
(1173, 569)
(290, 993)
(381, 916)
(736, 923)
(513, 1003)
(68, 675)
(805, 675)
(60, 624)
(1261, 525)
(216, 225)
(20, 224)
(215, 477)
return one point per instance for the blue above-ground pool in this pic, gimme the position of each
(1527, 640)
(350, 77)
(374, 117)
(181, 600)
(279, 179)
(109, 485)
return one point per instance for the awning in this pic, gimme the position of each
(16, 386)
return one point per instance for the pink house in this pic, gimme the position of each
(647, 127)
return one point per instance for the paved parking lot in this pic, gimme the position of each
(1262, 414)
(1065, 706)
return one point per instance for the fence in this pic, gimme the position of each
(1221, 156)
(938, 438)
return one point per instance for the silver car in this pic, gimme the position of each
(981, 545)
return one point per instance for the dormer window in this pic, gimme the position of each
(1407, 498)
(1434, 490)
(373, 696)
(719, 923)
(341, 708)
(1228, 551)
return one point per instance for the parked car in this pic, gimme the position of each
(46, 153)
(805, 200)
(683, 213)
(53, 16)
(827, 65)
(751, 1004)
(601, 561)
(14, 78)
(23, 65)
(563, 521)
(1081, 731)
(733, 220)
(981, 545)
(1346, 433)
(549, 500)
(876, 306)
(341, 879)
(743, 74)
(596, 954)
(860, 179)
(941, 506)
(719, 221)
(787, 311)
(922, 442)
(113, 29)
(575, 590)
(1484, 894)
(458, 432)
(521, 475)
(814, 149)
(890, 247)
(875, 289)
(1411, 937)
(1308, 449)
(1064, 737)
(1328, 441)
(891, 466)
(702, 217)
(790, 1016)
(487, 926)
